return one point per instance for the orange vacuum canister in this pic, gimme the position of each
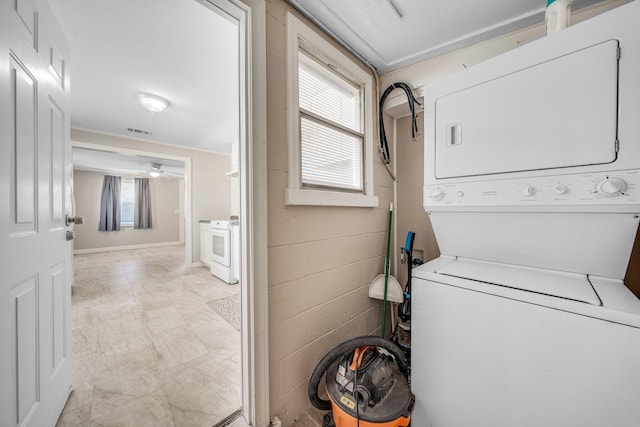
(367, 386)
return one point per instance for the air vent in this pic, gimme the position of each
(139, 131)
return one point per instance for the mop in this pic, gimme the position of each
(384, 286)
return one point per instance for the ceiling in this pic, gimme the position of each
(124, 164)
(180, 50)
(187, 53)
(390, 34)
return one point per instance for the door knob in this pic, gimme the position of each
(73, 219)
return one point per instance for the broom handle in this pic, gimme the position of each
(386, 270)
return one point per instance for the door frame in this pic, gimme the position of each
(251, 16)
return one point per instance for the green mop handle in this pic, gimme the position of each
(386, 270)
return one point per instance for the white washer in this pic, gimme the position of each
(532, 184)
(491, 355)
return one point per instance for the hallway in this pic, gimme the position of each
(153, 342)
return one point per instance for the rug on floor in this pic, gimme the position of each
(229, 309)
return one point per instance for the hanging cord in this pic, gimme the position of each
(384, 146)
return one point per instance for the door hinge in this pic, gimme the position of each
(617, 145)
(619, 54)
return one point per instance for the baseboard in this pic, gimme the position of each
(122, 248)
(198, 264)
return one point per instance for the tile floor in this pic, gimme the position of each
(148, 349)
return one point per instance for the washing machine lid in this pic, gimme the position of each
(595, 244)
(570, 286)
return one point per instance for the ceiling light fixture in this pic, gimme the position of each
(153, 103)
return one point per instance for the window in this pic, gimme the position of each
(330, 124)
(127, 202)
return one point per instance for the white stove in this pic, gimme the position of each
(225, 252)
(532, 185)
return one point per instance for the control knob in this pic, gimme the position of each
(528, 190)
(611, 187)
(436, 195)
(559, 189)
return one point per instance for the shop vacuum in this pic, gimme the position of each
(367, 384)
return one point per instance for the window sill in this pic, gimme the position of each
(126, 224)
(328, 198)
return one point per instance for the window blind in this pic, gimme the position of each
(330, 127)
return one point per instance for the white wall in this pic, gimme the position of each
(210, 187)
(234, 166)
(164, 214)
(181, 188)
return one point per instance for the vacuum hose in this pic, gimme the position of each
(341, 349)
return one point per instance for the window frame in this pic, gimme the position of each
(300, 36)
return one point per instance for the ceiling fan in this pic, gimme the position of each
(155, 170)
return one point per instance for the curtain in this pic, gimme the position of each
(110, 204)
(142, 209)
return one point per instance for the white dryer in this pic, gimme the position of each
(532, 184)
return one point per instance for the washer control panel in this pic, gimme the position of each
(619, 188)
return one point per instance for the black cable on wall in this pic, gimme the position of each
(384, 146)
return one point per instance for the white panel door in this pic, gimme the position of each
(35, 291)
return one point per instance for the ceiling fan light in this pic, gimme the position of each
(155, 170)
(153, 103)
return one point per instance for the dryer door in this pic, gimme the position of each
(556, 114)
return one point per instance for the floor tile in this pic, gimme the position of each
(177, 345)
(148, 350)
(163, 318)
(151, 410)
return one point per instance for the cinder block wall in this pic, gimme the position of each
(321, 259)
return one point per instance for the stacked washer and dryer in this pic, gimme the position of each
(532, 184)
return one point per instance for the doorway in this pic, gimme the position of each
(194, 225)
(156, 340)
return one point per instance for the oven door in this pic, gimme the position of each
(221, 246)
